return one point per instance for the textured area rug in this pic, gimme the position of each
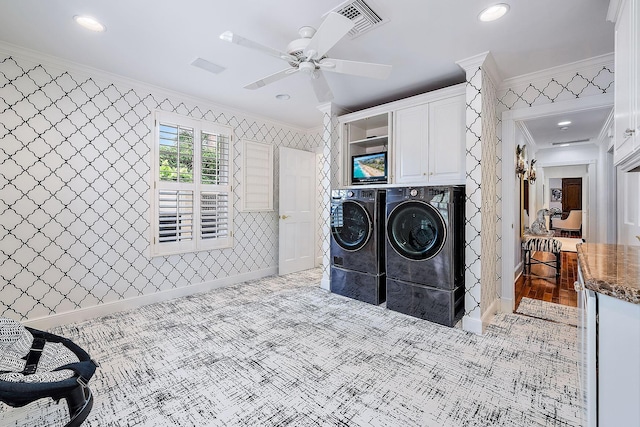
(548, 311)
(281, 351)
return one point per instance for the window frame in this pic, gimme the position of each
(196, 243)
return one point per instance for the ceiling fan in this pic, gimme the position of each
(308, 55)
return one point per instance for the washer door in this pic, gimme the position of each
(351, 225)
(416, 230)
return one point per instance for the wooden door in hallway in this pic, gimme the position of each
(571, 194)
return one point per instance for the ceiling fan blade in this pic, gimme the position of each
(321, 87)
(239, 40)
(270, 79)
(365, 69)
(332, 29)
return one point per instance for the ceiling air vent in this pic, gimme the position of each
(575, 141)
(363, 16)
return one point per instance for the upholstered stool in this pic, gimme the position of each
(542, 244)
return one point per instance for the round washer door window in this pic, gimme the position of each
(351, 225)
(416, 230)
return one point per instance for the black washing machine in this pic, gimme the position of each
(357, 244)
(425, 252)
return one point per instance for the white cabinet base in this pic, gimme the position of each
(618, 362)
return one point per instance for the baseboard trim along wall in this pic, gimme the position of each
(135, 302)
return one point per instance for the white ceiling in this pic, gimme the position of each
(154, 41)
(585, 125)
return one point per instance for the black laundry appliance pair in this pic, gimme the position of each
(404, 245)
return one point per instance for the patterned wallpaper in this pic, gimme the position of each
(473, 212)
(74, 183)
(490, 215)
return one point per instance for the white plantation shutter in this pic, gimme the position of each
(192, 191)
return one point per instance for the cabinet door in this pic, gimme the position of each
(624, 87)
(628, 208)
(447, 141)
(411, 135)
(618, 367)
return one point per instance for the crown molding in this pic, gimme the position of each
(485, 61)
(613, 12)
(108, 77)
(548, 73)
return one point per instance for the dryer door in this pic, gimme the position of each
(351, 225)
(416, 230)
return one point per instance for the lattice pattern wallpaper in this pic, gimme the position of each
(473, 205)
(74, 182)
(490, 252)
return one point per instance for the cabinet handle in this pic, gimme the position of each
(629, 132)
(578, 286)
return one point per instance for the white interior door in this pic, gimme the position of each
(297, 210)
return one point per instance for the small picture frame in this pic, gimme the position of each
(556, 194)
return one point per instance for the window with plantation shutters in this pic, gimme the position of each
(191, 206)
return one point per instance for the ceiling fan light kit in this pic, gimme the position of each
(308, 55)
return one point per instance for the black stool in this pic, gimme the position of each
(74, 390)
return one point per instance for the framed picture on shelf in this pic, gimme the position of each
(556, 194)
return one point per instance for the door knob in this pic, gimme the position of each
(629, 132)
(284, 216)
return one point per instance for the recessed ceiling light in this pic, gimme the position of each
(564, 123)
(283, 97)
(494, 12)
(90, 23)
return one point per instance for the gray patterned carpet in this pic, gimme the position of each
(548, 311)
(283, 352)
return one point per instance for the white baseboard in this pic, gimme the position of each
(490, 313)
(325, 283)
(135, 302)
(478, 326)
(506, 305)
(472, 325)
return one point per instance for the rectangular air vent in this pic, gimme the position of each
(575, 141)
(363, 16)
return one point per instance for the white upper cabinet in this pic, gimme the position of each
(429, 143)
(423, 136)
(447, 141)
(626, 14)
(411, 144)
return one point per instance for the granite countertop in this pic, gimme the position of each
(612, 270)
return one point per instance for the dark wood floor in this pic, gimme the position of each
(545, 288)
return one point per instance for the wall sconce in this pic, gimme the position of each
(532, 171)
(523, 170)
(521, 166)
